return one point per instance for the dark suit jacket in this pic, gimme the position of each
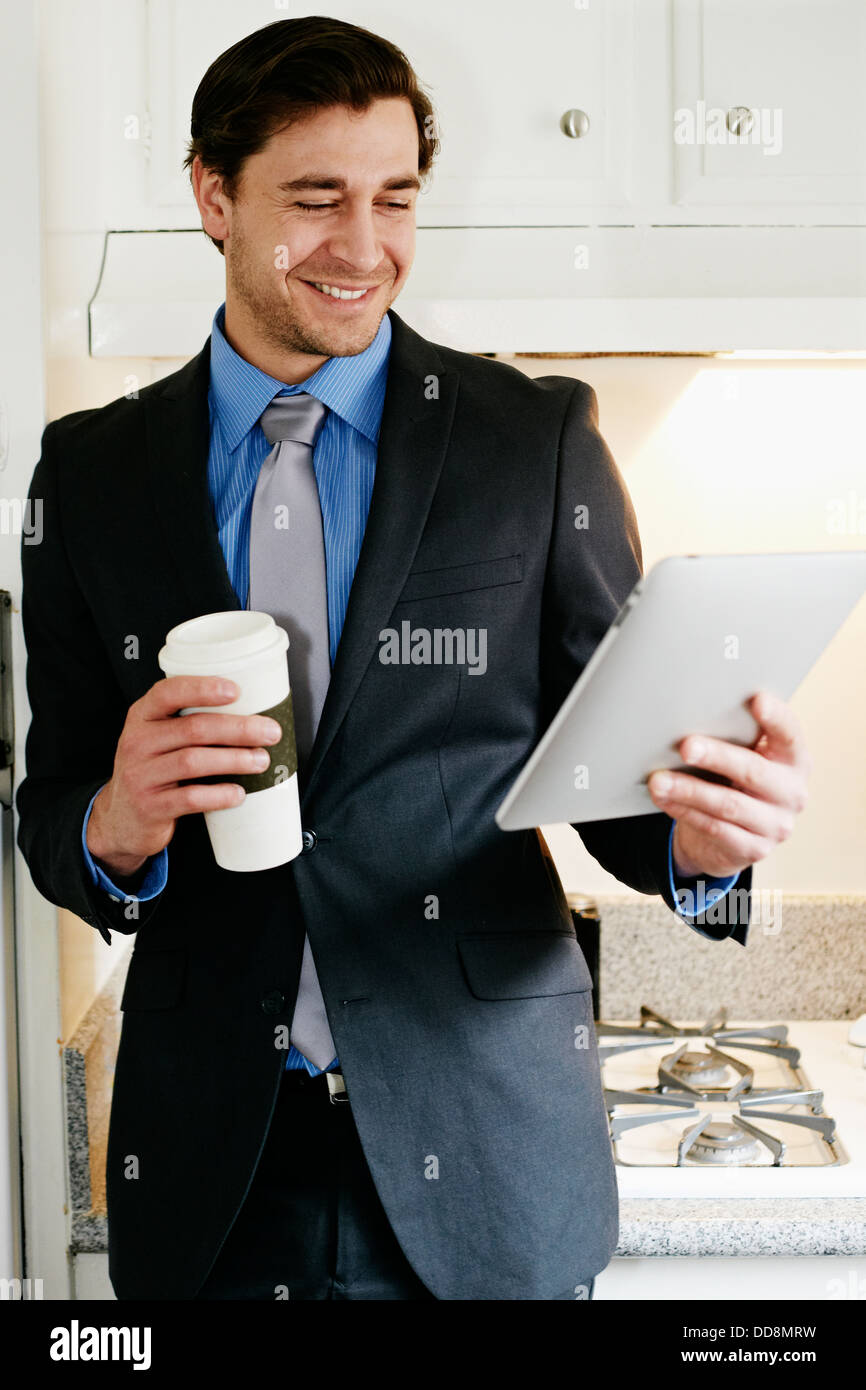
(456, 1031)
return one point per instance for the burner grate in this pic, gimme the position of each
(647, 1094)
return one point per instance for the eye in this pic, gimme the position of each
(315, 207)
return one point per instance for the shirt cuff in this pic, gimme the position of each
(151, 885)
(697, 893)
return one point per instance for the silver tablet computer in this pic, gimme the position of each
(697, 637)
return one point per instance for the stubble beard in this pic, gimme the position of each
(273, 316)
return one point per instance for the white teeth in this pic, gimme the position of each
(340, 294)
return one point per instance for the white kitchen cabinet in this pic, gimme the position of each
(673, 1279)
(182, 38)
(799, 67)
(623, 239)
(502, 85)
(663, 1279)
(90, 1276)
(653, 80)
(499, 85)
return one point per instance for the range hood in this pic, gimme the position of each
(536, 289)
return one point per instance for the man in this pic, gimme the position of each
(369, 1073)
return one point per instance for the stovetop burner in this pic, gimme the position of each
(691, 1067)
(690, 1063)
(746, 1074)
(721, 1142)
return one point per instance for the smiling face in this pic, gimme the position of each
(330, 200)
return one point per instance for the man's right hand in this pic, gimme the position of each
(135, 813)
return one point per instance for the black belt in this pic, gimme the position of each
(298, 1079)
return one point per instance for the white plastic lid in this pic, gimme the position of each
(220, 642)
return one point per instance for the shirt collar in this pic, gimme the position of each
(353, 387)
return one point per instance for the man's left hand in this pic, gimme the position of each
(721, 829)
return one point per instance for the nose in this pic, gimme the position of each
(356, 241)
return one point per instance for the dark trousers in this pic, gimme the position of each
(312, 1225)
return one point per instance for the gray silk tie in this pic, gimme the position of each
(288, 579)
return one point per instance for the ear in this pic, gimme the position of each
(213, 202)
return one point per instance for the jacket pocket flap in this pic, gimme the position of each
(155, 980)
(523, 965)
(457, 579)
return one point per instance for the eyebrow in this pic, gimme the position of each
(327, 181)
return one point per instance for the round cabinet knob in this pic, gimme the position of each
(574, 123)
(740, 120)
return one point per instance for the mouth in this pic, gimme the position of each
(340, 297)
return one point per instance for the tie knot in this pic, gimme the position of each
(299, 417)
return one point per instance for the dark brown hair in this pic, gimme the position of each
(289, 69)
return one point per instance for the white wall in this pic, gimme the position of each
(30, 1076)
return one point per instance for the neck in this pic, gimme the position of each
(240, 333)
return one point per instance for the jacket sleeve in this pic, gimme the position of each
(77, 713)
(592, 568)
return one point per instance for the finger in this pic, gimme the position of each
(782, 738)
(725, 843)
(763, 818)
(236, 730)
(171, 768)
(172, 802)
(174, 693)
(749, 770)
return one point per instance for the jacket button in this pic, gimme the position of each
(309, 840)
(273, 1002)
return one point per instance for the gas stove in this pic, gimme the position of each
(718, 1107)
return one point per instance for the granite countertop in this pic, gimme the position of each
(88, 1073)
(742, 1226)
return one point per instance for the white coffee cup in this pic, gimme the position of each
(248, 647)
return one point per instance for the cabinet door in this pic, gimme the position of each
(183, 39)
(500, 78)
(799, 68)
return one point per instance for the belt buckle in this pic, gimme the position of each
(336, 1088)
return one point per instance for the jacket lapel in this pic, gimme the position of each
(416, 424)
(178, 433)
